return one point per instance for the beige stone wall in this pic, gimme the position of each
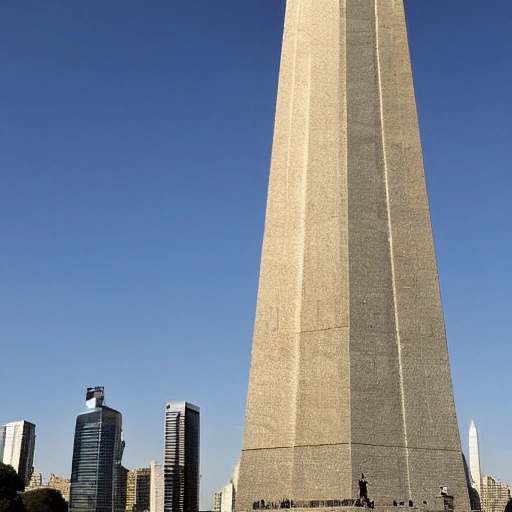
(349, 368)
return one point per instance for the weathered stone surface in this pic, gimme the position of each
(349, 370)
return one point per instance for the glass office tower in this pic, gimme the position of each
(181, 457)
(17, 445)
(96, 471)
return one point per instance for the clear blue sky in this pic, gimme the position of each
(134, 155)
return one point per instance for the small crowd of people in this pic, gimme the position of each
(287, 503)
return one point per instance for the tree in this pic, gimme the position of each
(508, 508)
(10, 485)
(44, 500)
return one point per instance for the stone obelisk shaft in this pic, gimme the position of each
(474, 456)
(349, 370)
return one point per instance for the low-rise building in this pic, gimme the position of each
(36, 481)
(494, 495)
(61, 484)
(224, 499)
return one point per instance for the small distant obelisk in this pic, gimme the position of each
(349, 370)
(474, 457)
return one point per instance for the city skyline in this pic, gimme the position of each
(150, 491)
(95, 398)
(145, 486)
(136, 166)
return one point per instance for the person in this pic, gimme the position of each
(363, 487)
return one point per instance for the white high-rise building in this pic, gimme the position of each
(156, 492)
(474, 457)
(224, 499)
(17, 445)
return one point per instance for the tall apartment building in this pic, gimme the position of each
(494, 495)
(96, 471)
(181, 457)
(138, 490)
(156, 498)
(130, 491)
(217, 498)
(17, 445)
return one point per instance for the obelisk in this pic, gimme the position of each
(349, 372)
(474, 456)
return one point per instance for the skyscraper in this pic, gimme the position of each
(474, 457)
(349, 372)
(96, 471)
(181, 457)
(17, 446)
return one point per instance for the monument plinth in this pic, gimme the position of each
(350, 371)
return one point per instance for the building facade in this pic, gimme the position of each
(138, 490)
(130, 491)
(17, 447)
(121, 488)
(217, 497)
(494, 495)
(156, 498)
(96, 471)
(181, 457)
(142, 490)
(224, 499)
(36, 481)
(60, 484)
